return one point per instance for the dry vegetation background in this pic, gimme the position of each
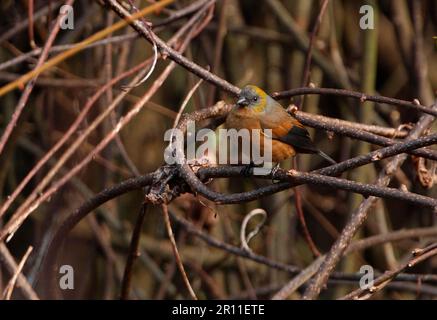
(277, 45)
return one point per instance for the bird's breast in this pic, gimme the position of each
(281, 151)
(244, 118)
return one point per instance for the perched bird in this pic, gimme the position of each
(255, 109)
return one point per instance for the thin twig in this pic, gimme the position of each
(80, 46)
(359, 216)
(134, 253)
(294, 284)
(176, 252)
(7, 293)
(173, 54)
(47, 178)
(185, 102)
(357, 95)
(307, 66)
(73, 127)
(25, 22)
(10, 265)
(246, 238)
(301, 217)
(418, 256)
(24, 211)
(29, 87)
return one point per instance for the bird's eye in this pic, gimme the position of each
(255, 98)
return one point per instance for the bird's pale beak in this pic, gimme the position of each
(242, 101)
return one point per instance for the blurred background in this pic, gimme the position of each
(245, 42)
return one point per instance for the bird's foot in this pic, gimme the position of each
(273, 171)
(247, 171)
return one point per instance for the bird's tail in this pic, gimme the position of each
(328, 158)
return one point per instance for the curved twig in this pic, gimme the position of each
(245, 239)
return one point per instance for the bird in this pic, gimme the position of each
(255, 109)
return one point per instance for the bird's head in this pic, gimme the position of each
(252, 97)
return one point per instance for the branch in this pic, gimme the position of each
(418, 256)
(11, 266)
(133, 253)
(191, 228)
(360, 215)
(176, 252)
(292, 178)
(30, 85)
(335, 125)
(7, 293)
(171, 53)
(357, 95)
(80, 46)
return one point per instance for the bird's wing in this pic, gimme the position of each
(287, 129)
(299, 138)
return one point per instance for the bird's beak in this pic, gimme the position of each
(242, 101)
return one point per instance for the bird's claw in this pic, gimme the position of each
(274, 170)
(247, 170)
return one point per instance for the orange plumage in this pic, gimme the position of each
(257, 110)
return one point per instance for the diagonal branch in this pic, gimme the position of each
(360, 215)
(171, 53)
